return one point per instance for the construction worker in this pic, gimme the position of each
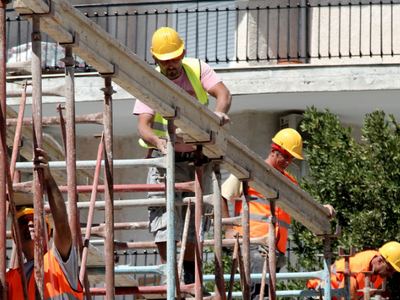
(61, 279)
(197, 78)
(286, 146)
(383, 263)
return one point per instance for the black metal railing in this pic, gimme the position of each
(229, 33)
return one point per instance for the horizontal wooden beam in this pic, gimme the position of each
(110, 57)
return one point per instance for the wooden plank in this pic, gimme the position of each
(103, 52)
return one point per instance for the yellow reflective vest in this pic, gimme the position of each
(193, 72)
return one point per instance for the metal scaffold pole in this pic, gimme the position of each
(38, 143)
(199, 186)
(170, 195)
(246, 242)
(109, 191)
(219, 269)
(3, 153)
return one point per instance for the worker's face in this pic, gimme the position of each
(280, 161)
(27, 230)
(384, 269)
(171, 68)
(26, 227)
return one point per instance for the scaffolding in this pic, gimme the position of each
(115, 63)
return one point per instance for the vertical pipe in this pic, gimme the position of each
(288, 33)
(350, 54)
(219, 269)
(71, 147)
(303, 47)
(109, 191)
(272, 251)
(246, 241)
(327, 267)
(199, 171)
(38, 143)
(170, 191)
(3, 197)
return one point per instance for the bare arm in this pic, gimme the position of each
(146, 133)
(230, 231)
(224, 99)
(62, 234)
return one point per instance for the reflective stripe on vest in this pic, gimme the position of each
(259, 216)
(56, 284)
(193, 72)
(259, 211)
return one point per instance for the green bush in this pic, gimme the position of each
(359, 179)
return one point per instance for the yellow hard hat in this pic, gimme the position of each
(391, 253)
(166, 44)
(28, 211)
(291, 141)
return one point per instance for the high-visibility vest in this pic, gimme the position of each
(360, 262)
(193, 72)
(259, 210)
(56, 285)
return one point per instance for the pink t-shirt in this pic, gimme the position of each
(208, 79)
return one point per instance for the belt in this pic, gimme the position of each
(185, 155)
(179, 156)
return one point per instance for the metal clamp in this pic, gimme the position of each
(114, 74)
(75, 41)
(176, 116)
(337, 233)
(211, 141)
(250, 178)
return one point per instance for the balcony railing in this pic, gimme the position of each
(230, 33)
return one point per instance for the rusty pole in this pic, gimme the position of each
(246, 241)
(3, 197)
(38, 143)
(71, 148)
(199, 170)
(18, 129)
(272, 251)
(83, 273)
(219, 269)
(109, 191)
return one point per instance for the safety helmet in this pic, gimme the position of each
(166, 44)
(391, 253)
(28, 211)
(291, 141)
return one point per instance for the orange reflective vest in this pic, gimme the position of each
(259, 210)
(360, 262)
(56, 285)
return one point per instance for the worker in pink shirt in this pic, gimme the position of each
(198, 79)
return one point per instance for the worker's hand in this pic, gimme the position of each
(162, 145)
(224, 119)
(42, 162)
(179, 133)
(332, 212)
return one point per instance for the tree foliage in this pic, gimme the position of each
(359, 179)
